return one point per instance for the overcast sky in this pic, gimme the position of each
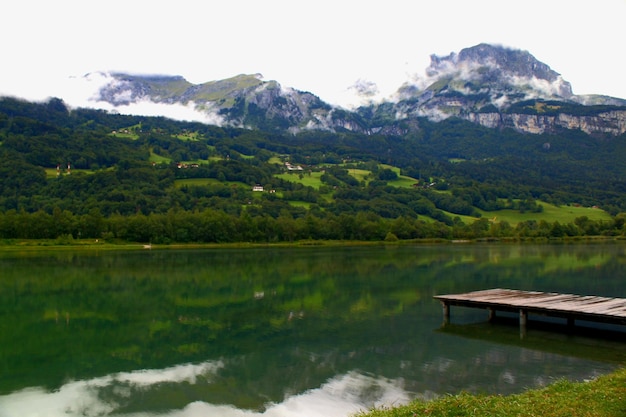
(321, 46)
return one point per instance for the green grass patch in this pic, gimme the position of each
(158, 159)
(52, 172)
(403, 182)
(304, 204)
(128, 132)
(439, 85)
(602, 397)
(391, 167)
(221, 90)
(312, 180)
(188, 136)
(361, 175)
(194, 161)
(550, 213)
(131, 136)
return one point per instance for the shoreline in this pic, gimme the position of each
(604, 396)
(90, 244)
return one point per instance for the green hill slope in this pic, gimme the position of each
(154, 179)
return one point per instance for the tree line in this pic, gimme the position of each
(217, 226)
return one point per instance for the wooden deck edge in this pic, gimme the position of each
(539, 303)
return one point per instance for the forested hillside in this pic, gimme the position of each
(90, 174)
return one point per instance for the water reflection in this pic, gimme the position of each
(121, 394)
(279, 332)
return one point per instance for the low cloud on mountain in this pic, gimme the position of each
(85, 92)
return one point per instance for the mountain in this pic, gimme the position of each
(240, 101)
(499, 87)
(493, 86)
(486, 74)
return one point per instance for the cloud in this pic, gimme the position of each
(84, 92)
(542, 88)
(360, 93)
(365, 88)
(189, 112)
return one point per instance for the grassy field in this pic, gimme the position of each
(403, 182)
(52, 172)
(128, 133)
(158, 159)
(551, 213)
(303, 204)
(360, 174)
(193, 136)
(602, 397)
(313, 180)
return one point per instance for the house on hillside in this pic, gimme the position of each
(293, 167)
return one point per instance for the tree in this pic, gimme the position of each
(387, 174)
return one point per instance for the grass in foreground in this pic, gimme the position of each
(602, 397)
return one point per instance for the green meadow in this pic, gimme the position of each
(312, 179)
(550, 213)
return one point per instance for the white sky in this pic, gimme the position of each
(321, 46)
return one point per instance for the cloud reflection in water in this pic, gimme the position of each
(107, 396)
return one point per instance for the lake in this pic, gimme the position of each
(316, 331)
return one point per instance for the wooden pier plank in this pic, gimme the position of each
(570, 306)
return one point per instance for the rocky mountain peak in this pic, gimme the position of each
(516, 62)
(501, 87)
(498, 71)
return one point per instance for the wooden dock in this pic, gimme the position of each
(568, 306)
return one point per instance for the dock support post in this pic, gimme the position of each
(523, 319)
(492, 314)
(446, 313)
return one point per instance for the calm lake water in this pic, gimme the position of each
(285, 331)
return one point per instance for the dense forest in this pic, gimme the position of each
(72, 174)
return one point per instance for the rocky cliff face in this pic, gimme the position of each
(607, 123)
(490, 85)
